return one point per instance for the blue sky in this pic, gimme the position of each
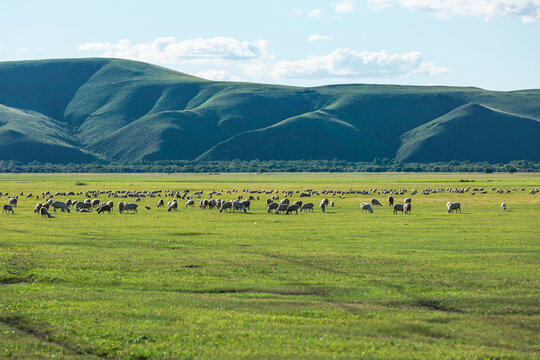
(492, 44)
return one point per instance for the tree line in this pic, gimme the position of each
(264, 166)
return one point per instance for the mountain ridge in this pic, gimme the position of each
(100, 109)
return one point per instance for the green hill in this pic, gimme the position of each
(82, 110)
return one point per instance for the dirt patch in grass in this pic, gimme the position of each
(436, 305)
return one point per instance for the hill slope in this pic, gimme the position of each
(79, 110)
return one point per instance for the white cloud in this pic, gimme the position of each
(527, 10)
(213, 74)
(168, 50)
(316, 37)
(314, 13)
(346, 63)
(223, 58)
(346, 6)
(217, 75)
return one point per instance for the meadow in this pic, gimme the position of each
(199, 284)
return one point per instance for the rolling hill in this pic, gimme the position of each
(97, 109)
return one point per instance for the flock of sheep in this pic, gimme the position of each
(239, 204)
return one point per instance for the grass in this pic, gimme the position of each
(340, 284)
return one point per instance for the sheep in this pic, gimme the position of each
(95, 202)
(307, 207)
(299, 203)
(8, 208)
(44, 212)
(332, 203)
(503, 207)
(238, 205)
(291, 208)
(272, 206)
(246, 203)
(390, 201)
(103, 208)
(172, 205)
(82, 210)
(38, 207)
(226, 205)
(120, 207)
(323, 206)
(212, 203)
(284, 201)
(130, 206)
(408, 200)
(398, 207)
(203, 204)
(160, 203)
(190, 203)
(366, 207)
(281, 208)
(407, 208)
(147, 207)
(60, 205)
(82, 205)
(453, 206)
(269, 201)
(13, 201)
(375, 202)
(325, 201)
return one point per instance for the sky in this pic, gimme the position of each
(491, 44)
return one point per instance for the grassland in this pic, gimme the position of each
(340, 284)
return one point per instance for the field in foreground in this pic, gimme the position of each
(340, 284)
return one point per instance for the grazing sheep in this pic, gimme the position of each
(281, 208)
(503, 207)
(44, 212)
(82, 210)
(120, 207)
(160, 203)
(82, 205)
(272, 206)
(38, 206)
(366, 207)
(8, 208)
(190, 203)
(60, 205)
(299, 203)
(390, 201)
(375, 202)
(130, 206)
(172, 205)
(291, 208)
(332, 203)
(323, 206)
(95, 202)
(269, 201)
(408, 200)
(307, 207)
(398, 207)
(453, 206)
(325, 201)
(13, 201)
(237, 205)
(407, 208)
(246, 203)
(226, 205)
(103, 208)
(284, 201)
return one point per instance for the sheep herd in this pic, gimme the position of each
(277, 202)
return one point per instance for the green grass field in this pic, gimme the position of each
(340, 284)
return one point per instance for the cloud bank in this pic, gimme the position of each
(225, 58)
(527, 10)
